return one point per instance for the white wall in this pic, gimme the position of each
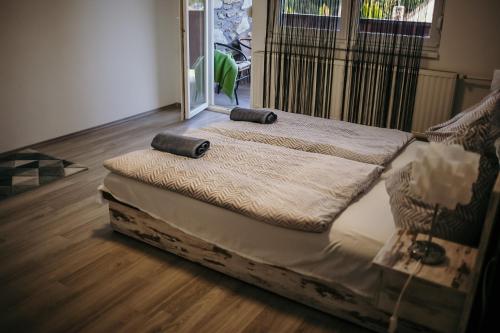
(470, 44)
(68, 65)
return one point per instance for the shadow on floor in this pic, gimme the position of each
(275, 304)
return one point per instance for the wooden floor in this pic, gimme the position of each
(63, 269)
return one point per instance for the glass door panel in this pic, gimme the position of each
(195, 57)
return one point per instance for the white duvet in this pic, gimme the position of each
(324, 136)
(285, 187)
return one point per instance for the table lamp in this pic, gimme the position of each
(442, 176)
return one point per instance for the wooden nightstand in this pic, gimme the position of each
(436, 295)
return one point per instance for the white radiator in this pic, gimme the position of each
(434, 100)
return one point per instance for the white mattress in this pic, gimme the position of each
(342, 254)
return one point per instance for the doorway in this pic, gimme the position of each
(232, 35)
(217, 54)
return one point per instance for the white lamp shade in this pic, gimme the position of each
(444, 174)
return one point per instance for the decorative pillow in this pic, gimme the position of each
(479, 114)
(464, 224)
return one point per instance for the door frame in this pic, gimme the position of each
(187, 113)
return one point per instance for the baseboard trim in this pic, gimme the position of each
(175, 106)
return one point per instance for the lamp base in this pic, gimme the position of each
(428, 252)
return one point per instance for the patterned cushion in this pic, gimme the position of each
(476, 132)
(479, 114)
(462, 225)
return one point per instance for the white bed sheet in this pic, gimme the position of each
(342, 254)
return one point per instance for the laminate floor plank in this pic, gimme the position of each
(63, 269)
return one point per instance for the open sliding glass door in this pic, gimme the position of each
(197, 55)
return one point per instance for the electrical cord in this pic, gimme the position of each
(393, 321)
(489, 266)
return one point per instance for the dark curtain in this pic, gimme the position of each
(383, 63)
(382, 59)
(299, 56)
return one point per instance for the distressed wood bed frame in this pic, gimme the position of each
(323, 295)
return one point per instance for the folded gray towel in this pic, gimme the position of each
(253, 115)
(180, 145)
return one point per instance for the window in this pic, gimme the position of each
(196, 5)
(317, 8)
(312, 13)
(408, 17)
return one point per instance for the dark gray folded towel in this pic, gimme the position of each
(253, 115)
(180, 145)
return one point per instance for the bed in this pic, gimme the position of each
(332, 271)
(324, 136)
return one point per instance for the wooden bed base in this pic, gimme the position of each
(323, 295)
(328, 297)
